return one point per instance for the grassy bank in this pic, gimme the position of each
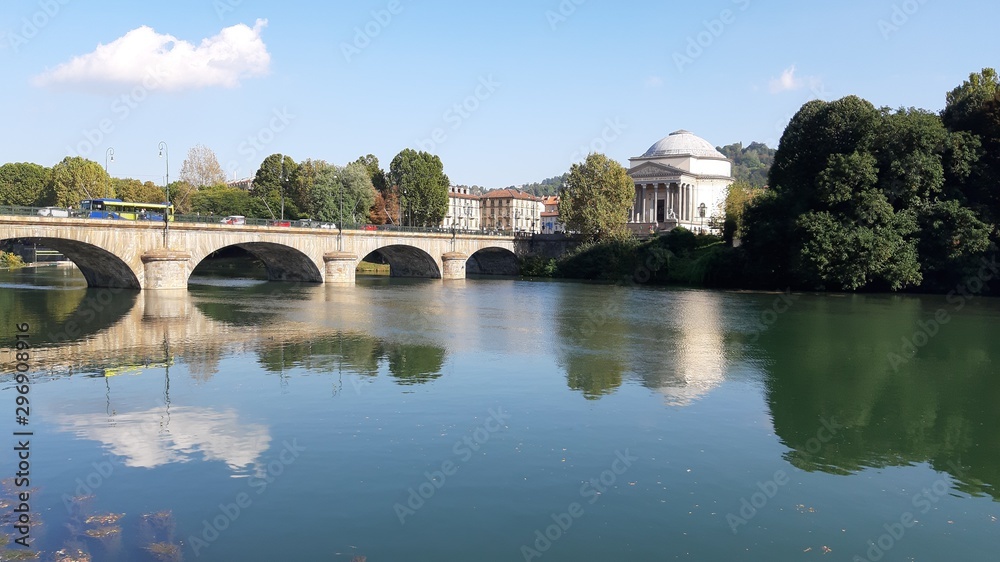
(678, 257)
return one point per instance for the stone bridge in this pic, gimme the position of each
(143, 256)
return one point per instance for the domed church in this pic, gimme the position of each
(680, 181)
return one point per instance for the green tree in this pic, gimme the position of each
(301, 188)
(137, 191)
(201, 167)
(273, 185)
(596, 199)
(23, 183)
(965, 103)
(846, 186)
(751, 164)
(75, 179)
(224, 201)
(379, 180)
(973, 109)
(343, 195)
(423, 185)
(738, 197)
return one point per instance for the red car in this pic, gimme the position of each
(281, 223)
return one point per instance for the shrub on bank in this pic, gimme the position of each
(10, 261)
(602, 261)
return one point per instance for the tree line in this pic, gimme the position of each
(414, 190)
(876, 199)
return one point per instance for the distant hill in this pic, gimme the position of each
(750, 164)
(546, 187)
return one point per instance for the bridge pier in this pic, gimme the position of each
(454, 265)
(165, 269)
(341, 268)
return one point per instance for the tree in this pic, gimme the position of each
(738, 197)
(423, 184)
(596, 199)
(973, 109)
(75, 179)
(137, 191)
(224, 201)
(965, 103)
(386, 208)
(376, 173)
(273, 182)
(182, 196)
(23, 184)
(751, 164)
(201, 168)
(342, 195)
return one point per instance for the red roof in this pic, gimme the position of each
(510, 194)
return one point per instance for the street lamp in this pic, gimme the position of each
(109, 154)
(701, 213)
(165, 154)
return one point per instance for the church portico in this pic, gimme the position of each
(680, 181)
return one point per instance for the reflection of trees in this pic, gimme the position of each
(593, 342)
(414, 364)
(938, 408)
(61, 315)
(358, 354)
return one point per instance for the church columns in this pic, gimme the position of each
(656, 188)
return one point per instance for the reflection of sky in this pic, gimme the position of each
(700, 358)
(148, 439)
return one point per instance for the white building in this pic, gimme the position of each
(463, 210)
(680, 181)
(550, 216)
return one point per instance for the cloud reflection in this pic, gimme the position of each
(149, 439)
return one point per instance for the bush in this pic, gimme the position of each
(10, 261)
(610, 260)
(680, 241)
(538, 266)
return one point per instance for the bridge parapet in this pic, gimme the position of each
(138, 254)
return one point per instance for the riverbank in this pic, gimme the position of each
(679, 257)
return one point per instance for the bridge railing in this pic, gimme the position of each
(69, 212)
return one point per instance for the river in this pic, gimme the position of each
(498, 419)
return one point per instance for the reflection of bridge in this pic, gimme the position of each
(138, 255)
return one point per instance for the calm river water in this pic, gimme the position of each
(502, 420)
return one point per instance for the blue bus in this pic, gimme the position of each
(118, 209)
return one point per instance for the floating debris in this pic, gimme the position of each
(71, 555)
(106, 519)
(165, 551)
(104, 532)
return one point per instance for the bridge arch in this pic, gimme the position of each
(493, 260)
(283, 263)
(100, 267)
(409, 261)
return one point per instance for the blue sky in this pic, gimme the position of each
(504, 92)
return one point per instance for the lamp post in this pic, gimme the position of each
(165, 154)
(340, 223)
(701, 213)
(281, 185)
(109, 154)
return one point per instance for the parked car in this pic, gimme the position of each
(53, 212)
(328, 225)
(234, 219)
(281, 223)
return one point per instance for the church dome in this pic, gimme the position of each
(683, 143)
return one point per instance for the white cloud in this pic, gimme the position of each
(143, 56)
(787, 82)
(654, 82)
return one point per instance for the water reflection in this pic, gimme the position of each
(828, 360)
(627, 337)
(148, 439)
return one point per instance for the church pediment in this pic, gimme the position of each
(655, 170)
